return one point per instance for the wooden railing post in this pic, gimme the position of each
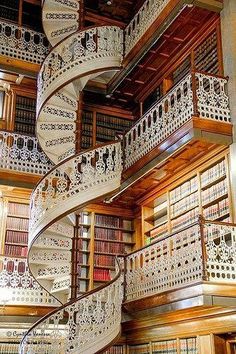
(203, 247)
(125, 281)
(74, 262)
(194, 90)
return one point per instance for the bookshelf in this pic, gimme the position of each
(99, 128)
(205, 191)
(25, 115)
(102, 238)
(16, 234)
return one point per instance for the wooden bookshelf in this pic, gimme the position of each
(16, 229)
(25, 115)
(102, 238)
(99, 128)
(205, 191)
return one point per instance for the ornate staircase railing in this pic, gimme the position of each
(84, 326)
(204, 251)
(22, 153)
(142, 20)
(198, 94)
(22, 43)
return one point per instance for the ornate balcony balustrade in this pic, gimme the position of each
(143, 19)
(86, 325)
(22, 153)
(197, 95)
(202, 251)
(18, 287)
(22, 43)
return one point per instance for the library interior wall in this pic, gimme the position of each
(228, 30)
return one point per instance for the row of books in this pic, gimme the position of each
(108, 221)
(86, 142)
(214, 192)
(24, 128)
(139, 349)
(17, 223)
(109, 247)
(165, 347)
(183, 190)
(9, 348)
(83, 232)
(217, 210)
(113, 122)
(87, 129)
(104, 260)
(187, 219)
(188, 346)
(16, 237)
(159, 231)
(22, 116)
(116, 349)
(213, 173)
(82, 258)
(87, 117)
(108, 234)
(15, 251)
(84, 218)
(184, 204)
(206, 53)
(101, 274)
(27, 103)
(18, 209)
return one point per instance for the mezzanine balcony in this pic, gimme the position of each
(192, 267)
(195, 109)
(18, 287)
(23, 44)
(21, 154)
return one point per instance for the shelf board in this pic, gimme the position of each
(115, 241)
(157, 214)
(84, 278)
(83, 265)
(109, 254)
(84, 238)
(184, 212)
(32, 110)
(16, 244)
(215, 201)
(215, 181)
(156, 226)
(85, 225)
(25, 231)
(105, 267)
(18, 216)
(184, 196)
(112, 228)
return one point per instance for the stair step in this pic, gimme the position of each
(61, 16)
(51, 5)
(61, 284)
(51, 113)
(56, 33)
(64, 100)
(63, 229)
(56, 242)
(53, 272)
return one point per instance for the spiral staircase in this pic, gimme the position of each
(91, 322)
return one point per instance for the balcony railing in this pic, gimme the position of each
(198, 94)
(18, 287)
(22, 153)
(143, 19)
(204, 251)
(22, 43)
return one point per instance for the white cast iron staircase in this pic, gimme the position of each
(91, 322)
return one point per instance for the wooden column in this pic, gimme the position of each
(228, 31)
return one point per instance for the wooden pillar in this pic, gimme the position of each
(74, 262)
(206, 344)
(228, 31)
